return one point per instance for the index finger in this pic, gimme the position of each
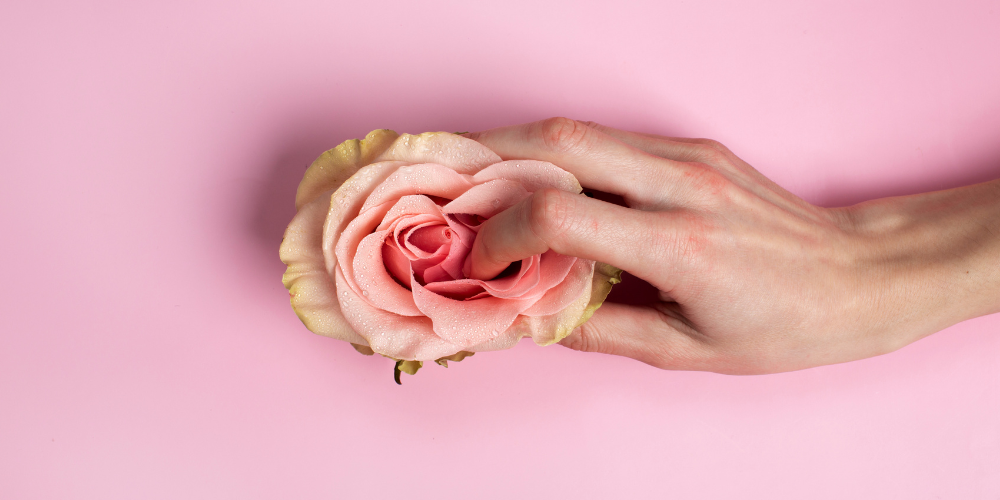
(597, 159)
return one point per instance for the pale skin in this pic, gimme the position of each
(751, 278)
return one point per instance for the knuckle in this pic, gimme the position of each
(565, 135)
(712, 144)
(710, 185)
(549, 214)
(585, 339)
(712, 152)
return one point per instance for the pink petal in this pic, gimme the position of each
(466, 235)
(396, 263)
(457, 290)
(346, 202)
(400, 337)
(505, 340)
(520, 284)
(457, 254)
(451, 150)
(469, 322)
(427, 179)
(350, 238)
(533, 175)
(375, 283)
(312, 289)
(404, 225)
(411, 205)
(566, 291)
(435, 274)
(488, 199)
(429, 238)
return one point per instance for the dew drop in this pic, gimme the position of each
(364, 292)
(496, 203)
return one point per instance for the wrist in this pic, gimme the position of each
(931, 260)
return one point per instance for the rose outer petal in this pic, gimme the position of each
(469, 322)
(464, 156)
(427, 179)
(389, 334)
(487, 199)
(335, 166)
(532, 174)
(312, 291)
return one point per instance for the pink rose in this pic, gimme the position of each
(377, 251)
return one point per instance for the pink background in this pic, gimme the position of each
(150, 155)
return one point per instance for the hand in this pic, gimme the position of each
(751, 278)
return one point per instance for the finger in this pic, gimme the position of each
(641, 333)
(681, 149)
(707, 151)
(598, 160)
(642, 243)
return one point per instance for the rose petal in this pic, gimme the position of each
(470, 322)
(411, 205)
(348, 241)
(402, 227)
(567, 302)
(457, 290)
(531, 174)
(375, 283)
(488, 199)
(505, 340)
(396, 263)
(335, 166)
(466, 235)
(451, 150)
(457, 254)
(565, 291)
(389, 334)
(312, 290)
(427, 179)
(346, 203)
(429, 238)
(516, 285)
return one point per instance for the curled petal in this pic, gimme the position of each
(376, 284)
(350, 239)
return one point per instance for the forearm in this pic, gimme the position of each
(930, 260)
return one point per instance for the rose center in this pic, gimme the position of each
(430, 238)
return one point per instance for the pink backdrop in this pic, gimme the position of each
(150, 155)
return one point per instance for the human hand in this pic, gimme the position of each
(751, 278)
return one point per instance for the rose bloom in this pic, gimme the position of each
(378, 252)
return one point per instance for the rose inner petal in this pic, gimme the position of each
(430, 238)
(396, 263)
